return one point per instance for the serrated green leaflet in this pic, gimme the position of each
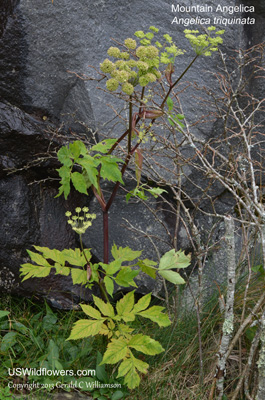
(124, 253)
(132, 380)
(105, 308)
(84, 328)
(74, 257)
(104, 146)
(38, 259)
(79, 276)
(116, 351)
(61, 270)
(53, 254)
(143, 303)
(171, 276)
(64, 155)
(110, 169)
(174, 259)
(155, 314)
(109, 285)
(170, 104)
(91, 311)
(125, 277)
(147, 266)
(125, 305)
(34, 271)
(90, 166)
(145, 344)
(113, 267)
(79, 182)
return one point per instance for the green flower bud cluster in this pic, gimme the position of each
(204, 44)
(140, 63)
(80, 223)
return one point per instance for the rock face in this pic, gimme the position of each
(44, 105)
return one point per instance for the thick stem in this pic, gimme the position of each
(106, 236)
(177, 81)
(130, 126)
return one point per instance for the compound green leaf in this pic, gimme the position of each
(85, 328)
(116, 351)
(79, 276)
(124, 253)
(155, 314)
(91, 311)
(79, 182)
(174, 259)
(145, 344)
(105, 308)
(172, 276)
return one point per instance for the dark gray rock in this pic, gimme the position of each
(44, 105)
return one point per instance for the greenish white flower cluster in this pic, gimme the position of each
(204, 44)
(139, 64)
(78, 222)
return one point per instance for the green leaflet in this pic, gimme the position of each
(124, 253)
(105, 308)
(109, 285)
(79, 182)
(172, 276)
(125, 305)
(147, 266)
(54, 254)
(125, 277)
(104, 146)
(34, 271)
(84, 328)
(128, 368)
(91, 311)
(61, 270)
(143, 303)
(113, 267)
(110, 169)
(74, 257)
(174, 259)
(155, 314)
(38, 259)
(64, 156)
(116, 351)
(145, 344)
(79, 276)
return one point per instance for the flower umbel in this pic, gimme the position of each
(80, 223)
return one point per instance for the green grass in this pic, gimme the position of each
(34, 336)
